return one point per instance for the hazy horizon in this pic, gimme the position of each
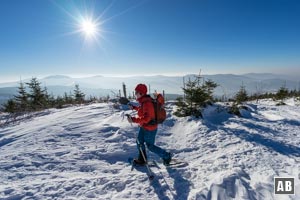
(128, 76)
(101, 85)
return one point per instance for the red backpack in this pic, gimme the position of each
(159, 110)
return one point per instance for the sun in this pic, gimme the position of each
(88, 24)
(89, 28)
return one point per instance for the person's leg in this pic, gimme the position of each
(140, 145)
(140, 139)
(149, 137)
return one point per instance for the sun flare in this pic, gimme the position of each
(89, 28)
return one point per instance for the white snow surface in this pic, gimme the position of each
(81, 153)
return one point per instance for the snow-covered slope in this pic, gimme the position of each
(81, 153)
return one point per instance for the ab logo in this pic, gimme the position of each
(284, 185)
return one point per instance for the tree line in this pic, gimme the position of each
(36, 98)
(199, 93)
(279, 96)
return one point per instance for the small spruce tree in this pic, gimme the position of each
(241, 96)
(196, 97)
(59, 102)
(68, 99)
(281, 95)
(79, 96)
(21, 100)
(10, 106)
(37, 96)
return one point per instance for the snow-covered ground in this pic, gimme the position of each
(81, 153)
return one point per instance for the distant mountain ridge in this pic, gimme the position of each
(99, 85)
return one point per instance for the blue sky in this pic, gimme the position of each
(149, 37)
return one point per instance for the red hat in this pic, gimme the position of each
(141, 88)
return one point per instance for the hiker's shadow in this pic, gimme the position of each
(181, 184)
(166, 189)
(160, 189)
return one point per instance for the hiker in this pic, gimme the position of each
(148, 127)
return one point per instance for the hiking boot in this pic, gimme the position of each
(168, 159)
(140, 160)
(136, 161)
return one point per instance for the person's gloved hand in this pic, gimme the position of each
(129, 119)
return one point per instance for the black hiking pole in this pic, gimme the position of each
(150, 173)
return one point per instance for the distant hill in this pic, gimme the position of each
(229, 84)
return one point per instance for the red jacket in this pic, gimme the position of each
(145, 113)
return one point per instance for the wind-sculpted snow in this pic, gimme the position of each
(81, 153)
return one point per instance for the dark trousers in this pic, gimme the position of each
(148, 138)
